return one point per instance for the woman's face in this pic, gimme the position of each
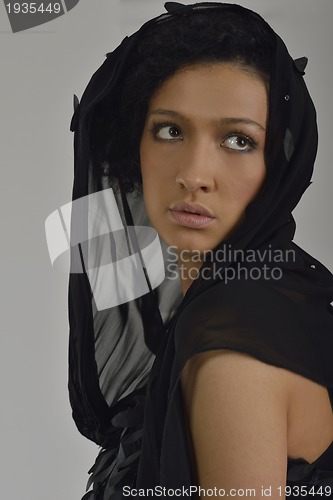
(202, 153)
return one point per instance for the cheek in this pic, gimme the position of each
(244, 187)
(156, 167)
(258, 179)
(151, 176)
(254, 184)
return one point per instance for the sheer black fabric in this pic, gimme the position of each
(128, 345)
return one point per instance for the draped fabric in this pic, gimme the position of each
(131, 331)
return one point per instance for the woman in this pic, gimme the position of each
(201, 126)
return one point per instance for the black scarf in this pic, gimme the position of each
(118, 349)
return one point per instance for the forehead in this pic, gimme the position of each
(213, 91)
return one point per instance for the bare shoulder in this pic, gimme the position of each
(237, 409)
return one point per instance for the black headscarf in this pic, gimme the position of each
(127, 351)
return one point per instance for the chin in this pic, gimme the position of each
(191, 242)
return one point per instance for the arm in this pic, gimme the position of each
(236, 410)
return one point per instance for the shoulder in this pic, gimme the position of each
(237, 408)
(228, 317)
(237, 375)
(261, 319)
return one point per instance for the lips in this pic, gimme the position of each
(192, 209)
(193, 216)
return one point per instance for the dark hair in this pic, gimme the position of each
(205, 36)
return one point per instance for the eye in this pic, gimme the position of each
(239, 142)
(166, 131)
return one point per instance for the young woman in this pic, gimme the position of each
(219, 382)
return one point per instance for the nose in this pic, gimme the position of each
(196, 168)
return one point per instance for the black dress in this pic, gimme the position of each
(151, 448)
(126, 356)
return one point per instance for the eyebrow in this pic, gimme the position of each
(222, 121)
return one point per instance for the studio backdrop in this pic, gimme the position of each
(48, 52)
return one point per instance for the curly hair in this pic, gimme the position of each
(185, 40)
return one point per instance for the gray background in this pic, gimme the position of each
(43, 457)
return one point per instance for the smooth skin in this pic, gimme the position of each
(245, 417)
(203, 143)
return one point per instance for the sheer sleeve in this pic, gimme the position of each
(276, 322)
